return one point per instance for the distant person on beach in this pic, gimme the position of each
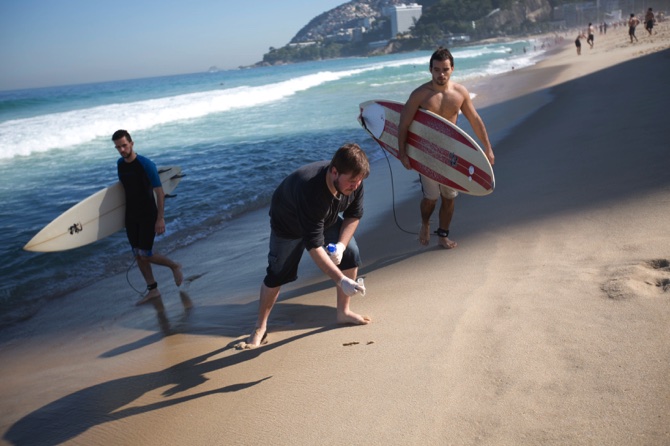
(144, 214)
(304, 216)
(446, 98)
(632, 23)
(578, 43)
(649, 20)
(589, 39)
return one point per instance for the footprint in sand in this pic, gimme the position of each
(647, 279)
(193, 277)
(190, 279)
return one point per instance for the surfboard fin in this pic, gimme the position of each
(170, 195)
(181, 175)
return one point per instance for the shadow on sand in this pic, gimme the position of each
(70, 416)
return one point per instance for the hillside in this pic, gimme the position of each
(346, 16)
(359, 27)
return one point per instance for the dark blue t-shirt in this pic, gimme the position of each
(139, 178)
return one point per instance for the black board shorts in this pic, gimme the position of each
(141, 234)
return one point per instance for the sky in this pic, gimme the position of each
(62, 42)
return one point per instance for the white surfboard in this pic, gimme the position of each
(94, 218)
(436, 148)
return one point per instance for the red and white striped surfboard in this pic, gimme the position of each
(436, 148)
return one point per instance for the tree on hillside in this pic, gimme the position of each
(447, 17)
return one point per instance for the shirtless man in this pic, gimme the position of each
(446, 98)
(578, 43)
(649, 20)
(632, 23)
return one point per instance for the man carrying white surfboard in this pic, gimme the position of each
(446, 98)
(144, 211)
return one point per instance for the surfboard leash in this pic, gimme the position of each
(395, 217)
(128, 277)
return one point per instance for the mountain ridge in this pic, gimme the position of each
(360, 28)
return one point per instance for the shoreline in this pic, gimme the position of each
(35, 301)
(538, 328)
(388, 49)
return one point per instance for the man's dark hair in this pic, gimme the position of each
(440, 55)
(120, 134)
(351, 159)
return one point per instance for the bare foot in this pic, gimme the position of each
(256, 339)
(352, 318)
(446, 243)
(178, 276)
(151, 294)
(424, 234)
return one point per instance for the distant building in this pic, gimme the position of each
(402, 17)
(461, 38)
(378, 44)
(342, 35)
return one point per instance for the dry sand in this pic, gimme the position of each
(549, 324)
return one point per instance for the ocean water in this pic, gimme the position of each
(235, 134)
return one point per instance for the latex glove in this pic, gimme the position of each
(351, 287)
(336, 256)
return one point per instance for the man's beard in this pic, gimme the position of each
(337, 185)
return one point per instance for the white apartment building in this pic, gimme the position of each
(402, 17)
